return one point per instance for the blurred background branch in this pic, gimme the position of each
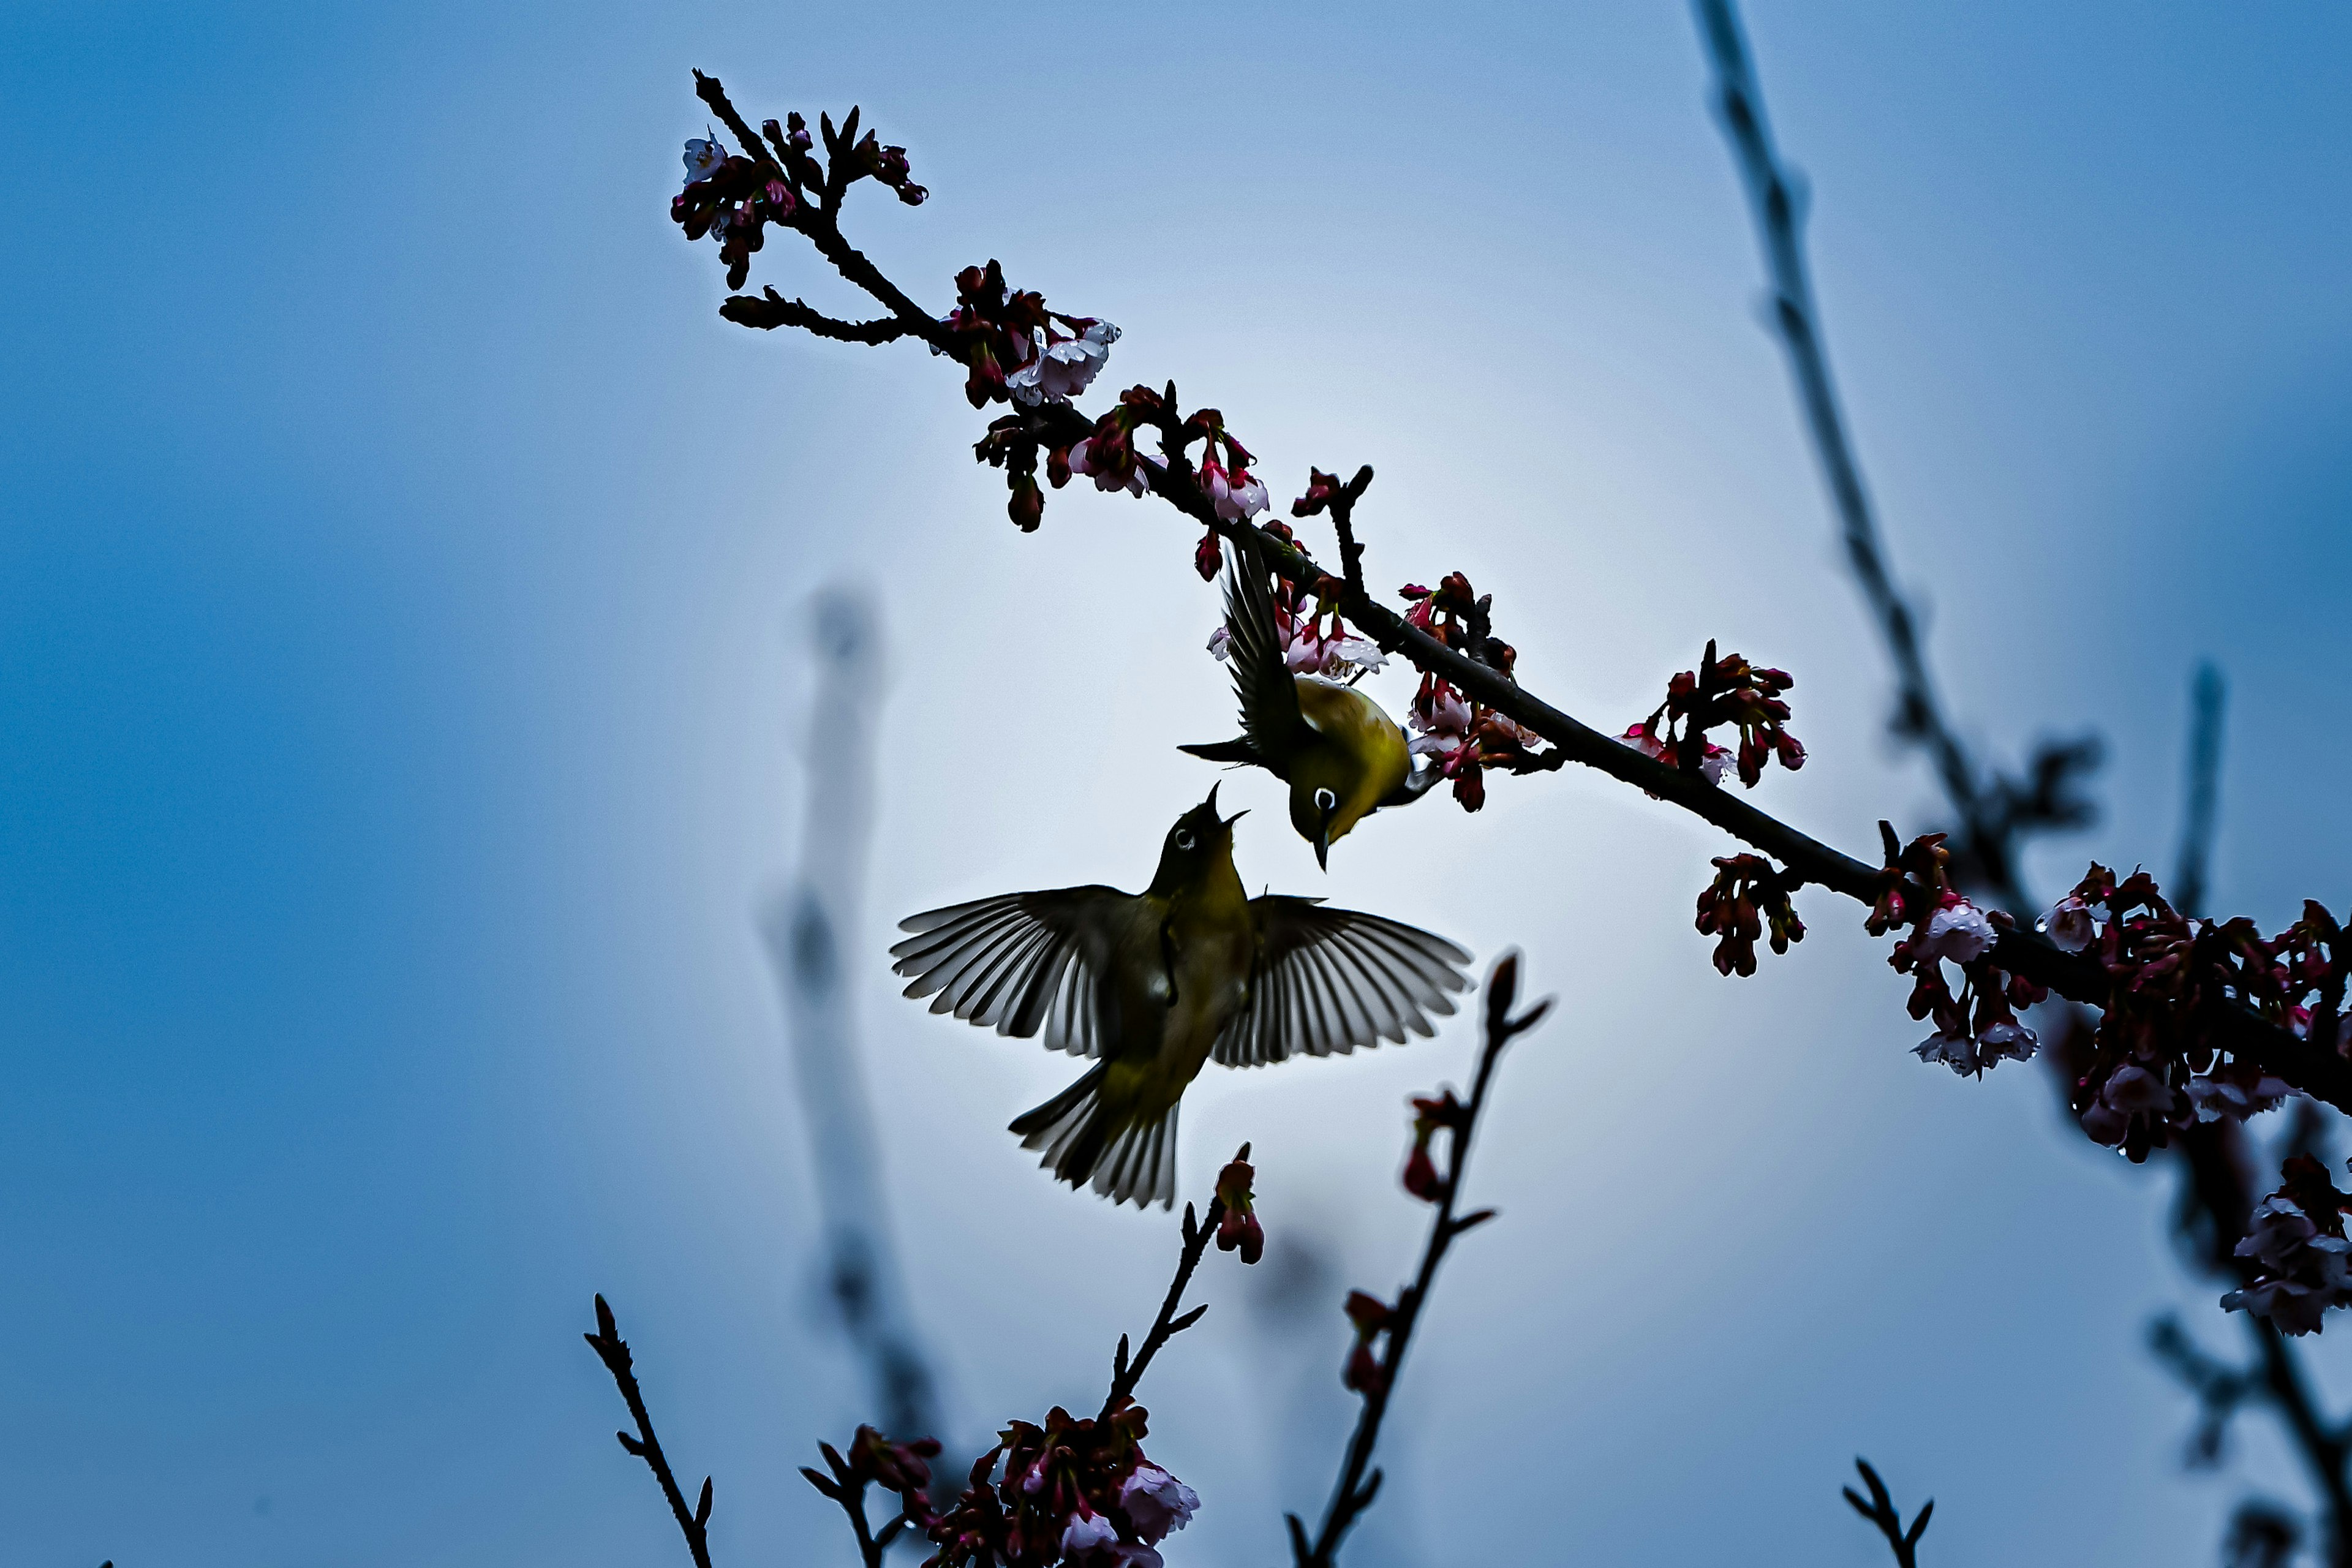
(807, 931)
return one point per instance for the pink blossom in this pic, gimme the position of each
(1221, 644)
(1081, 462)
(2220, 1096)
(2130, 1092)
(1157, 1503)
(1442, 729)
(2305, 1272)
(2071, 924)
(2006, 1041)
(702, 159)
(1085, 1533)
(2276, 1232)
(1955, 1051)
(1958, 931)
(1234, 493)
(1059, 368)
(1716, 763)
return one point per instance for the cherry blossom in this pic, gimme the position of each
(2296, 1239)
(1157, 1503)
(1062, 365)
(1087, 1531)
(1713, 765)
(1958, 930)
(2071, 924)
(702, 159)
(1236, 495)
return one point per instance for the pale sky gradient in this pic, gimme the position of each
(399, 686)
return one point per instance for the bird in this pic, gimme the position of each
(1343, 755)
(1153, 985)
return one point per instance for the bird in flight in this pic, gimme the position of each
(1343, 755)
(1153, 985)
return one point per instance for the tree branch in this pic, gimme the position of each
(2078, 977)
(1126, 1374)
(771, 310)
(1990, 821)
(614, 1352)
(1356, 1489)
(1881, 1512)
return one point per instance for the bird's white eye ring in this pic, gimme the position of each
(1183, 838)
(1325, 800)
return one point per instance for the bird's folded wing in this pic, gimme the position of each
(1329, 980)
(1018, 963)
(1261, 681)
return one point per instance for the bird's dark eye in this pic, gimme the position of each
(1183, 838)
(1325, 800)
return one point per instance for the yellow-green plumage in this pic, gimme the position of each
(1343, 757)
(1158, 984)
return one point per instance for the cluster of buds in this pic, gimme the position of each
(1726, 690)
(1430, 1115)
(1456, 615)
(1107, 454)
(1464, 739)
(854, 158)
(2155, 1068)
(875, 1461)
(1237, 1226)
(1014, 350)
(733, 196)
(1372, 1318)
(2296, 1245)
(732, 199)
(1314, 639)
(1976, 1028)
(1073, 1492)
(1747, 895)
(1329, 492)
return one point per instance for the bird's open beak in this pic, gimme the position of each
(1323, 847)
(1210, 804)
(1236, 816)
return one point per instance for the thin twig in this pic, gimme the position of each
(614, 1352)
(1356, 1489)
(1127, 1373)
(772, 310)
(1881, 1512)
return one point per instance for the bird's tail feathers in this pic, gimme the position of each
(1239, 751)
(1086, 1144)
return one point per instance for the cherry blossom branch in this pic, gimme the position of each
(1376, 1380)
(1233, 1224)
(2213, 1182)
(986, 321)
(874, 1459)
(1881, 1512)
(772, 310)
(614, 1352)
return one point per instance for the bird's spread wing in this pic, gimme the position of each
(1268, 691)
(1019, 963)
(1329, 980)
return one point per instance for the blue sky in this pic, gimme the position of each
(399, 679)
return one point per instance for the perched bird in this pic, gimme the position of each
(1154, 985)
(1343, 757)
